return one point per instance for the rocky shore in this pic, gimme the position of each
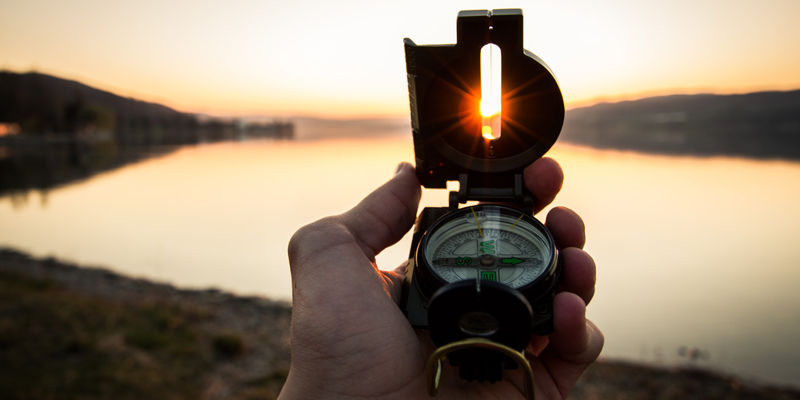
(71, 332)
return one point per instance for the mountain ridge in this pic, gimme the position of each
(759, 124)
(45, 105)
(41, 102)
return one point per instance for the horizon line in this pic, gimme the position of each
(580, 103)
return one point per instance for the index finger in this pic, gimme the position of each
(543, 178)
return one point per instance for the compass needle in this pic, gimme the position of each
(477, 223)
(517, 221)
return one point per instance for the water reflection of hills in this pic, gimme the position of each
(759, 125)
(54, 131)
(45, 165)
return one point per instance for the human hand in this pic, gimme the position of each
(351, 340)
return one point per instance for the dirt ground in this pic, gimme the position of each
(70, 332)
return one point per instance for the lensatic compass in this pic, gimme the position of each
(481, 278)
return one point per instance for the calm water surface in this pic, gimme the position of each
(691, 252)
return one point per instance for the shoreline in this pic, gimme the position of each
(123, 337)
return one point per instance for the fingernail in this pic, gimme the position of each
(399, 168)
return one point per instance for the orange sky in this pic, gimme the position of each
(345, 59)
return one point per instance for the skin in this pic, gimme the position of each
(350, 340)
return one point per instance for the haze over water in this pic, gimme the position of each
(694, 252)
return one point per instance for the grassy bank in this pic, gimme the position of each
(68, 333)
(79, 333)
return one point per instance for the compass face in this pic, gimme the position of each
(488, 243)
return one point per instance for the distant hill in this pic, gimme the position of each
(761, 125)
(54, 131)
(46, 105)
(22, 95)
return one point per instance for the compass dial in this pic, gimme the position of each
(488, 243)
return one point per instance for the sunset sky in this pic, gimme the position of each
(345, 59)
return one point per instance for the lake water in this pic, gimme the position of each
(695, 253)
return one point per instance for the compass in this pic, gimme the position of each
(481, 278)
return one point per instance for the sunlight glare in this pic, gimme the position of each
(490, 106)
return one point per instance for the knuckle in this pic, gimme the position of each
(307, 237)
(568, 226)
(581, 255)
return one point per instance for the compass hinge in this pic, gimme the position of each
(515, 193)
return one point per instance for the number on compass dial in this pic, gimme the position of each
(488, 242)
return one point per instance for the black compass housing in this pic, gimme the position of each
(444, 93)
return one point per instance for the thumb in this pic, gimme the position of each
(386, 214)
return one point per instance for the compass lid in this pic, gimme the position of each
(444, 83)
